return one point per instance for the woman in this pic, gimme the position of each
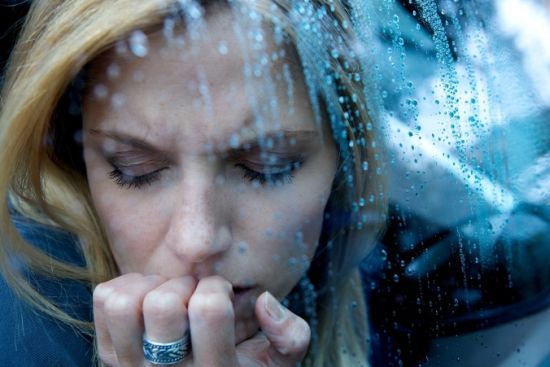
(211, 160)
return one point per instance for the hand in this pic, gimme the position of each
(133, 305)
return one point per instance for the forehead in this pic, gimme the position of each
(202, 90)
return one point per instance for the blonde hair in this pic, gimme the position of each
(59, 38)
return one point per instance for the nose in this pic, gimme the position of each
(199, 231)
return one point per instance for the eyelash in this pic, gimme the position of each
(136, 182)
(262, 178)
(133, 182)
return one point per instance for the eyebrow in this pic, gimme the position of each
(126, 139)
(300, 136)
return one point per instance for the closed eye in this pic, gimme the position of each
(134, 181)
(273, 175)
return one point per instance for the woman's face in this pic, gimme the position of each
(185, 176)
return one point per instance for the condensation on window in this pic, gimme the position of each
(460, 277)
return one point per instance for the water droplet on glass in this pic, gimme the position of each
(138, 43)
(121, 48)
(243, 246)
(118, 100)
(78, 136)
(194, 11)
(220, 180)
(113, 71)
(234, 140)
(384, 254)
(222, 48)
(100, 91)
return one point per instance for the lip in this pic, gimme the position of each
(243, 296)
(242, 288)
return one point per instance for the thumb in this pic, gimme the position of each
(288, 334)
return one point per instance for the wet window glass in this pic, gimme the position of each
(297, 182)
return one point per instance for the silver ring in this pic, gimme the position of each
(167, 353)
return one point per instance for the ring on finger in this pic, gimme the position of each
(167, 353)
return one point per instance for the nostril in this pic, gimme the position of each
(198, 248)
(198, 227)
(224, 237)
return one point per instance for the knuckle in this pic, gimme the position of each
(104, 290)
(101, 294)
(109, 358)
(153, 279)
(158, 303)
(216, 283)
(223, 283)
(213, 307)
(120, 303)
(186, 283)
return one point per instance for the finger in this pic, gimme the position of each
(212, 321)
(124, 315)
(288, 334)
(164, 310)
(102, 291)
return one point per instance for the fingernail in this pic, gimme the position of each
(274, 308)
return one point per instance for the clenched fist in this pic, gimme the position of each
(134, 306)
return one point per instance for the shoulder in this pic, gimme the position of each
(54, 241)
(29, 337)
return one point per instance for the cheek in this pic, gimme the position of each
(289, 245)
(130, 225)
(133, 231)
(282, 231)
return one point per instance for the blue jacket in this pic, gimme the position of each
(31, 338)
